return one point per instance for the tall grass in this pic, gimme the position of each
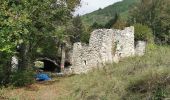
(136, 78)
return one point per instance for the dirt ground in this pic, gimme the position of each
(50, 90)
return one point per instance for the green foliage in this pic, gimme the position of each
(4, 67)
(29, 21)
(10, 26)
(120, 24)
(96, 26)
(47, 47)
(143, 33)
(85, 37)
(111, 22)
(102, 16)
(155, 14)
(22, 78)
(159, 93)
(76, 30)
(25, 23)
(117, 22)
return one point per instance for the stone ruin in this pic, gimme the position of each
(105, 46)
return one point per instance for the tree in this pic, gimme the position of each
(24, 23)
(116, 23)
(96, 26)
(143, 33)
(111, 22)
(120, 24)
(155, 14)
(77, 30)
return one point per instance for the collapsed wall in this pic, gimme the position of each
(105, 46)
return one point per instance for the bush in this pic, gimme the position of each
(120, 24)
(22, 78)
(152, 81)
(4, 68)
(143, 32)
(85, 38)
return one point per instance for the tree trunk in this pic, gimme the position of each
(63, 53)
(24, 58)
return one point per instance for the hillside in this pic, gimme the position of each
(102, 16)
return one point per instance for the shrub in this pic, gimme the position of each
(4, 68)
(85, 38)
(22, 78)
(143, 32)
(153, 81)
(120, 24)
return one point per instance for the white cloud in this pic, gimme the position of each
(92, 5)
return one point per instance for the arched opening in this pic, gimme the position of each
(50, 66)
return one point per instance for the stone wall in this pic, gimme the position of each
(140, 48)
(105, 46)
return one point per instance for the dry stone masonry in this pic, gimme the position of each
(140, 48)
(105, 46)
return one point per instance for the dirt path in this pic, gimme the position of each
(39, 91)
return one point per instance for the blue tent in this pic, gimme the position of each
(42, 77)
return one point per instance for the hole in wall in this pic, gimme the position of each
(85, 62)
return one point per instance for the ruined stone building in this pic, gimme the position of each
(105, 46)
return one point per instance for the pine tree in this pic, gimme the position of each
(112, 21)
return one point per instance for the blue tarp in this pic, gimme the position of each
(42, 77)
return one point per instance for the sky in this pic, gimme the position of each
(88, 6)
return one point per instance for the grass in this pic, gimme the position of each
(136, 78)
